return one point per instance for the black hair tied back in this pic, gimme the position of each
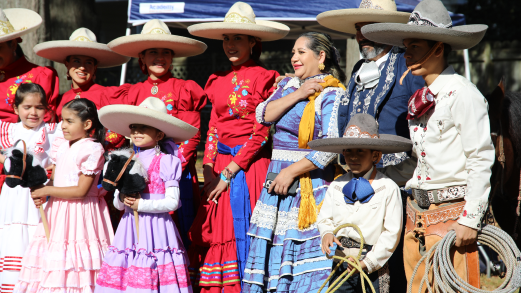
(86, 110)
(322, 42)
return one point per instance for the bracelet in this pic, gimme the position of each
(232, 175)
(223, 178)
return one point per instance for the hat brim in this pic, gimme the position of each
(118, 118)
(23, 20)
(134, 44)
(387, 144)
(57, 51)
(263, 29)
(459, 37)
(344, 20)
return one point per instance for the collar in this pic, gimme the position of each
(161, 80)
(367, 175)
(15, 64)
(442, 80)
(318, 76)
(248, 63)
(82, 88)
(381, 62)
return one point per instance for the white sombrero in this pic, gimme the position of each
(362, 133)
(151, 112)
(344, 20)
(430, 20)
(82, 42)
(15, 22)
(240, 19)
(156, 34)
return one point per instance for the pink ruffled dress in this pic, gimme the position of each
(80, 230)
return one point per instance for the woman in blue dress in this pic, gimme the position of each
(285, 254)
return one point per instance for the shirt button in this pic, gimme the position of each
(358, 110)
(359, 103)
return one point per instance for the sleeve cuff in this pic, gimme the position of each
(172, 183)
(473, 213)
(321, 159)
(372, 265)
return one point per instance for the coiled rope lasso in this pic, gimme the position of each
(446, 280)
(355, 264)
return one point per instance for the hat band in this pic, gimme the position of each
(6, 27)
(237, 18)
(368, 4)
(417, 19)
(354, 131)
(82, 39)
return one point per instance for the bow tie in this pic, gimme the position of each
(419, 103)
(359, 189)
(368, 76)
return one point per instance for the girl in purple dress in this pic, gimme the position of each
(156, 260)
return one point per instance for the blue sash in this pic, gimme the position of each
(241, 209)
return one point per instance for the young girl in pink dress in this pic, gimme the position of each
(80, 228)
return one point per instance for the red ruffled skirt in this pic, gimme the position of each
(213, 254)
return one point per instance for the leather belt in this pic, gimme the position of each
(350, 243)
(425, 198)
(432, 222)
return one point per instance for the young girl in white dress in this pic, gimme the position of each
(18, 215)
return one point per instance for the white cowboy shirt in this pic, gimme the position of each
(379, 219)
(453, 145)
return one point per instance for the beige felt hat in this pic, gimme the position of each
(15, 22)
(344, 20)
(151, 112)
(156, 34)
(430, 20)
(362, 133)
(240, 19)
(82, 42)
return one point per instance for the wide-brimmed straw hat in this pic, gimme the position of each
(344, 20)
(240, 19)
(362, 133)
(151, 112)
(82, 42)
(430, 20)
(156, 34)
(15, 22)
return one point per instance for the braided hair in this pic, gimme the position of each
(86, 110)
(322, 42)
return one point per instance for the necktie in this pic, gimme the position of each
(359, 189)
(368, 76)
(419, 103)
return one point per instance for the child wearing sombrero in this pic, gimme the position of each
(157, 260)
(363, 197)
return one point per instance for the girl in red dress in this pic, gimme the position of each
(155, 47)
(236, 158)
(83, 55)
(15, 69)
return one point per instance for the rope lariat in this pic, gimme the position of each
(446, 280)
(356, 265)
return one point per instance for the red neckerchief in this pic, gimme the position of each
(419, 103)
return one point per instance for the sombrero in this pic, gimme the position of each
(362, 133)
(82, 42)
(151, 112)
(15, 22)
(240, 19)
(156, 34)
(344, 20)
(430, 20)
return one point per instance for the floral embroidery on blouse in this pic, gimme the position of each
(13, 88)
(251, 136)
(211, 143)
(237, 100)
(181, 149)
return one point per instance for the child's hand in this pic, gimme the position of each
(350, 267)
(39, 195)
(131, 202)
(327, 242)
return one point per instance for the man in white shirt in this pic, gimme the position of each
(363, 197)
(449, 128)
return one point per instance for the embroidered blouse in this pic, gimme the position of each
(101, 96)
(184, 99)
(234, 95)
(384, 210)
(286, 135)
(453, 146)
(22, 71)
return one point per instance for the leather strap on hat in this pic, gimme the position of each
(421, 61)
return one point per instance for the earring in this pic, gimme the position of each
(143, 67)
(157, 150)
(321, 66)
(251, 51)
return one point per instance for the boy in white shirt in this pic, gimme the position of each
(363, 197)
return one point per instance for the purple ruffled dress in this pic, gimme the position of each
(158, 261)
